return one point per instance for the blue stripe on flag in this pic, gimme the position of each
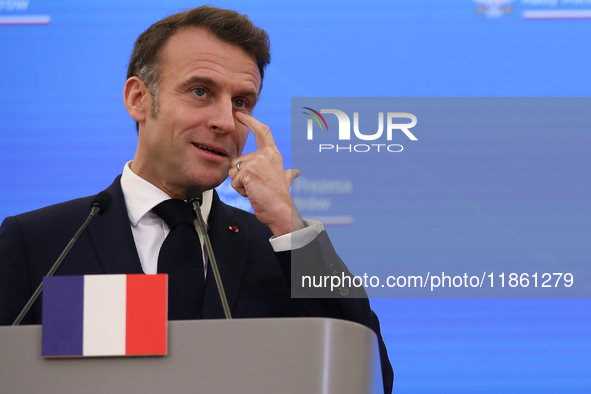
(63, 300)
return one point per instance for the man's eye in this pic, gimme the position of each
(199, 92)
(240, 103)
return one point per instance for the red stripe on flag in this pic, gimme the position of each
(146, 314)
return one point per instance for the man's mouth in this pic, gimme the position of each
(208, 149)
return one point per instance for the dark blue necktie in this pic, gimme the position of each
(181, 258)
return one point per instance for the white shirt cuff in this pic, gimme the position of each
(297, 239)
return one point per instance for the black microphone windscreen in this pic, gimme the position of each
(194, 193)
(102, 200)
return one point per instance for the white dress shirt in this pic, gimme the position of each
(149, 230)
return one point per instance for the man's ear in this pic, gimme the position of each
(137, 99)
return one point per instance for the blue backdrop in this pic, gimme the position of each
(64, 133)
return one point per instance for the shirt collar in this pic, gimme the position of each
(141, 196)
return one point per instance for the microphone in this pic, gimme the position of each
(194, 193)
(101, 202)
(99, 205)
(194, 196)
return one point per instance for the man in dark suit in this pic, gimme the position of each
(193, 81)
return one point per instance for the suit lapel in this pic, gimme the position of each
(112, 236)
(230, 249)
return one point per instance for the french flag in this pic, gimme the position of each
(105, 315)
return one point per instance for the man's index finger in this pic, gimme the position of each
(262, 132)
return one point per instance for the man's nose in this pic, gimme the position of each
(221, 118)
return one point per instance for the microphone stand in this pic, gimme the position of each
(216, 273)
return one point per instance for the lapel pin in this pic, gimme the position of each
(233, 228)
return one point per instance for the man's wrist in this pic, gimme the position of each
(292, 221)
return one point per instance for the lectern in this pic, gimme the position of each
(293, 355)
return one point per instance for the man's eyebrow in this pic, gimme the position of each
(195, 80)
(198, 80)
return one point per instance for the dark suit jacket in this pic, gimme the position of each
(256, 279)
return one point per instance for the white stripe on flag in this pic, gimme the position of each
(104, 315)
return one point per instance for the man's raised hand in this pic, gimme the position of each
(260, 176)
